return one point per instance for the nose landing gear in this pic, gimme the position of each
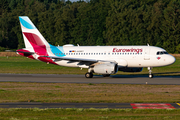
(150, 72)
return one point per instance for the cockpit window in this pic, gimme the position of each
(161, 52)
(165, 52)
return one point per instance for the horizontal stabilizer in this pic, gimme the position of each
(25, 52)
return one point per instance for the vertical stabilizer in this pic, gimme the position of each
(32, 37)
(30, 33)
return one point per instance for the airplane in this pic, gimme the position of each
(105, 60)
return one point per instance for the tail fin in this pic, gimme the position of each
(30, 33)
(32, 37)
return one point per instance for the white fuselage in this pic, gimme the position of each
(125, 56)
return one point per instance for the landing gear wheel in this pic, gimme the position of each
(150, 72)
(105, 75)
(151, 76)
(88, 75)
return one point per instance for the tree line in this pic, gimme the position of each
(94, 22)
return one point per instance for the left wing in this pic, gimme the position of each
(77, 59)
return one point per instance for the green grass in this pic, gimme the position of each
(27, 66)
(88, 93)
(87, 114)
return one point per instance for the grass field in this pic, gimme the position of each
(88, 93)
(88, 114)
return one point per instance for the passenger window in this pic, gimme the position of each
(108, 53)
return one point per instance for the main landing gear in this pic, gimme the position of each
(89, 75)
(150, 72)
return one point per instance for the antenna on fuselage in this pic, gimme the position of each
(147, 44)
(78, 45)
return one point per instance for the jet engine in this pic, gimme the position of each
(106, 68)
(130, 69)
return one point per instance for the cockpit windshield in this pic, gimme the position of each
(161, 52)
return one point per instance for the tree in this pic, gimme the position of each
(171, 26)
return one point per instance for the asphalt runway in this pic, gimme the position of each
(114, 79)
(65, 105)
(93, 105)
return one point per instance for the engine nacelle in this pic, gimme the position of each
(106, 68)
(126, 69)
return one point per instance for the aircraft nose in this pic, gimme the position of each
(172, 59)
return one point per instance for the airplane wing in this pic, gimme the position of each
(77, 59)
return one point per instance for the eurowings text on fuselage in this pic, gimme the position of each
(103, 60)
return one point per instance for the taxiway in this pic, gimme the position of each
(114, 79)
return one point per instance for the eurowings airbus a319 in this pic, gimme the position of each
(105, 60)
